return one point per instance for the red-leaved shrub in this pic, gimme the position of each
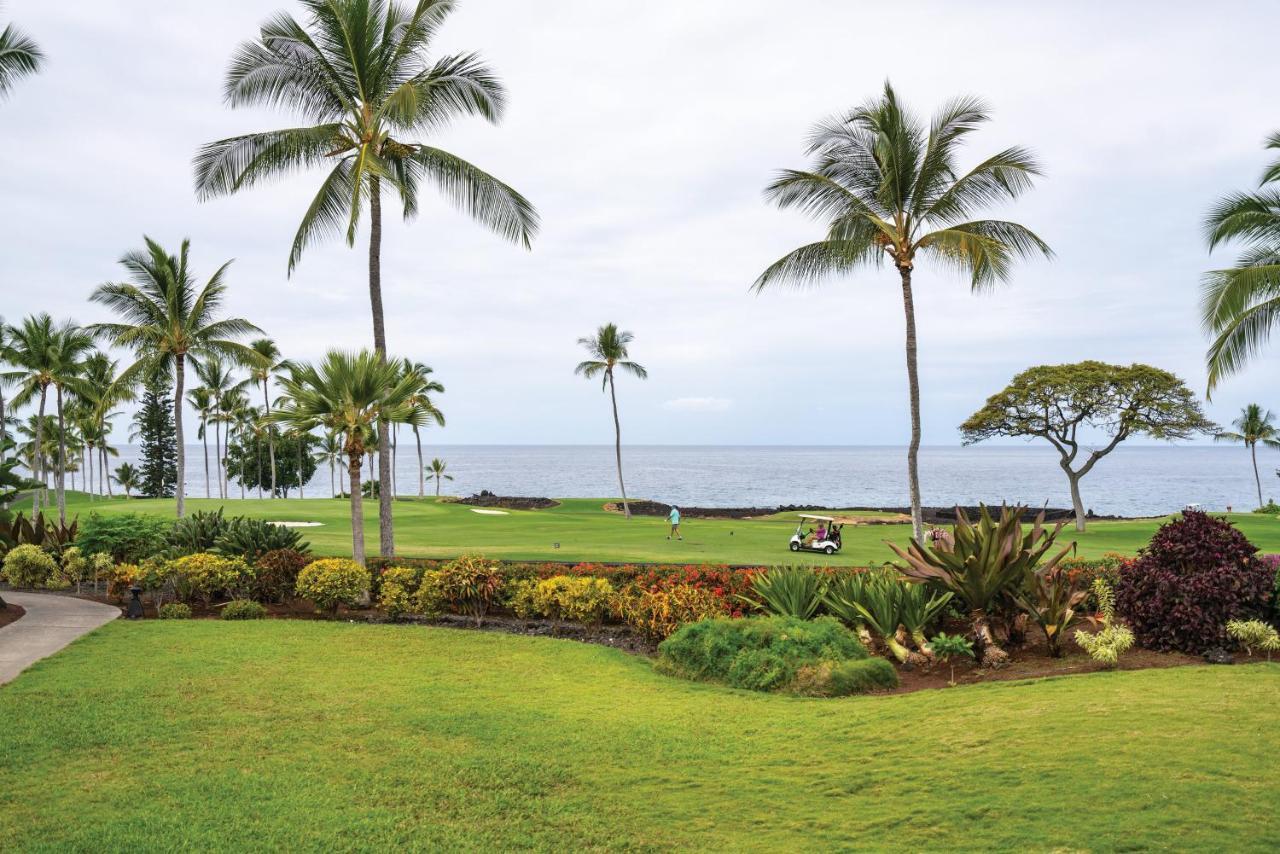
(1197, 573)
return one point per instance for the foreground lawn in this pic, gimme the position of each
(585, 532)
(337, 736)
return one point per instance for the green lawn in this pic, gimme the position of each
(585, 532)
(321, 736)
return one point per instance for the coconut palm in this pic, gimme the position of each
(103, 384)
(238, 415)
(608, 351)
(219, 378)
(19, 57)
(6, 363)
(205, 406)
(1254, 425)
(262, 370)
(129, 479)
(347, 393)
(1240, 305)
(329, 452)
(890, 190)
(437, 473)
(358, 73)
(423, 412)
(167, 319)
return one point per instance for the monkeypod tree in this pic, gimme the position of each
(1066, 404)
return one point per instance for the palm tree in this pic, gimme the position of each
(239, 416)
(167, 319)
(1240, 305)
(129, 479)
(423, 412)
(103, 384)
(219, 378)
(262, 370)
(608, 350)
(1254, 425)
(346, 393)
(358, 73)
(73, 346)
(19, 57)
(890, 190)
(437, 473)
(329, 452)
(7, 359)
(202, 401)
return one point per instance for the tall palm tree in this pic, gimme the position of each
(129, 479)
(205, 406)
(329, 452)
(1254, 425)
(437, 473)
(359, 74)
(238, 415)
(608, 351)
(1240, 305)
(73, 346)
(347, 393)
(262, 370)
(423, 412)
(19, 57)
(103, 384)
(218, 377)
(167, 319)
(6, 362)
(890, 190)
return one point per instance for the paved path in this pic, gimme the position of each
(51, 622)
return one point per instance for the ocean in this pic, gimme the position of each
(1133, 480)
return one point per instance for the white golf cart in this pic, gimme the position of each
(809, 541)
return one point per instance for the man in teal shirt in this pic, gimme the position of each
(674, 518)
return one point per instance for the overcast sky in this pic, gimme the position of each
(644, 133)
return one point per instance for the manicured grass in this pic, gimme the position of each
(585, 532)
(323, 736)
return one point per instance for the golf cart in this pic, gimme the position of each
(810, 541)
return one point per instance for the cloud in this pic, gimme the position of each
(698, 404)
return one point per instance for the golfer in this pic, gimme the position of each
(674, 518)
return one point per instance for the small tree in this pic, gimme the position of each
(946, 647)
(156, 433)
(1054, 402)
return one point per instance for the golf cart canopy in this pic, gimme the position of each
(816, 518)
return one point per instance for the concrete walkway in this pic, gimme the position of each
(51, 622)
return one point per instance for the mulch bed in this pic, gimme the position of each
(10, 614)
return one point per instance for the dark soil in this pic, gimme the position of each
(485, 498)
(10, 614)
(932, 515)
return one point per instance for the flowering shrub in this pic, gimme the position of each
(203, 576)
(585, 600)
(1197, 573)
(396, 592)
(276, 574)
(658, 613)
(28, 566)
(472, 584)
(243, 609)
(330, 582)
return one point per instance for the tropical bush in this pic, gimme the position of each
(121, 577)
(1271, 508)
(775, 653)
(196, 532)
(28, 566)
(584, 600)
(946, 647)
(1054, 599)
(983, 565)
(881, 601)
(243, 609)
(471, 584)
(1197, 573)
(430, 600)
(330, 582)
(521, 597)
(242, 536)
(1254, 633)
(1083, 570)
(1114, 638)
(204, 575)
(73, 568)
(396, 593)
(657, 614)
(787, 591)
(125, 537)
(174, 611)
(49, 534)
(276, 574)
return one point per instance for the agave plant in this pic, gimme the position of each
(844, 592)
(881, 610)
(788, 591)
(1053, 599)
(986, 562)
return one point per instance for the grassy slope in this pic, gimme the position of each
(585, 532)
(337, 736)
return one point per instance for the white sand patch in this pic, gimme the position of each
(298, 524)
(485, 511)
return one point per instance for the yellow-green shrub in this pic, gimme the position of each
(204, 575)
(121, 577)
(471, 584)
(522, 597)
(174, 611)
(583, 599)
(330, 582)
(28, 566)
(430, 600)
(658, 613)
(396, 592)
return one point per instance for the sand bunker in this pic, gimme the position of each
(298, 524)
(486, 512)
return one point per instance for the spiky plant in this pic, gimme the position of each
(20, 57)
(788, 591)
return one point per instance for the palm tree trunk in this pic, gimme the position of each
(37, 463)
(617, 445)
(438, 486)
(271, 440)
(258, 448)
(106, 470)
(333, 486)
(300, 443)
(88, 471)
(422, 475)
(913, 383)
(179, 381)
(204, 437)
(386, 533)
(395, 455)
(60, 473)
(1253, 450)
(357, 509)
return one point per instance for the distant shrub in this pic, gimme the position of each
(430, 600)
(249, 538)
(126, 537)
(174, 611)
(818, 657)
(195, 533)
(276, 574)
(1197, 573)
(471, 584)
(583, 600)
(659, 613)
(396, 593)
(330, 582)
(203, 576)
(1271, 508)
(243, 609)
(28, 566)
